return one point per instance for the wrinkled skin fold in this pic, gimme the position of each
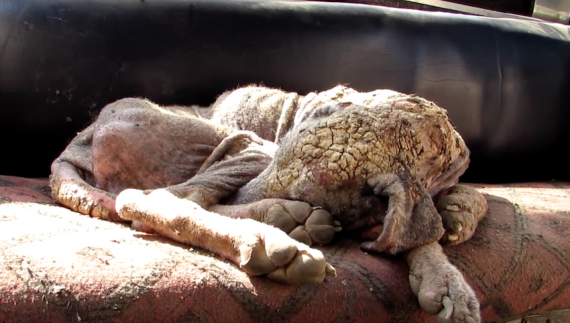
(263, 174)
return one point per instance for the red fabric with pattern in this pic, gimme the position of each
(59, 266)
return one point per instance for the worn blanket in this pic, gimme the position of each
(59, 266)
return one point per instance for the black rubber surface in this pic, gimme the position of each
(505, 83)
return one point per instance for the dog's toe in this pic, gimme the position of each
(303, 223)
(461, 209)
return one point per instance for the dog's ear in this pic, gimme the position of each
(411, 219)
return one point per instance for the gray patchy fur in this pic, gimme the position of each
(305, 165)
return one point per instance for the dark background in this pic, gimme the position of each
(504, 83)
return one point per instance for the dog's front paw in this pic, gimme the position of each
(461, 208)
(443, 291)
(257, 248)
(441, 288)
(302, 222)
(270, 251)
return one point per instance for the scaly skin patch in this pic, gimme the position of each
(406, 133)
(329, 159)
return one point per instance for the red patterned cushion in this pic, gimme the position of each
(60, 266)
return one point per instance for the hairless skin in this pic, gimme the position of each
(263, 174)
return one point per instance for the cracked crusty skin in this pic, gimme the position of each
(342, 153)
(382, 160)
(380, 157)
